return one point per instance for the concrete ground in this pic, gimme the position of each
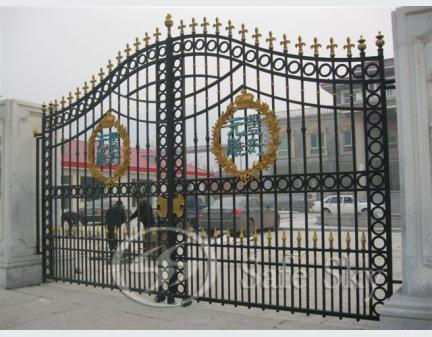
(65, 306)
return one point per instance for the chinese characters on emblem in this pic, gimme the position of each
(245, 136)
(108, 149)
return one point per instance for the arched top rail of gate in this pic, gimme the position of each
(314, 61)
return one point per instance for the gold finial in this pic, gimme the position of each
(331, 240)
(66, 230)
(300, 44)
(77, 93)
(257, 36)
(63, 102)
(269, 237)
(228, 234)
(51, 107)
(299, 238)
(215, 234)
(361, 44)
(55, 105)
(243, 32)
(146, 39)
(74, 229)
(315, 239)
(70, 98)
(230, 28)
(110, 66)
(85, 87)
(44, 107)
(182, 26)
(169, 22)
(127, 50)
(137, 43)
(316, 46)
(93, 81)
(379, 40)
(81, 232)
(284, 238)
(119, 57)
(285, 43)
(101, 74)
(270, 40)
(116, 232)
(157, 34)
(255, 236)
(332, 46)
(193, 26)
(363, 240)
(204, 25)
(125, 232)
(348, 240)
(89, 232)
(349, 46)
(217, 26)
(133, 232)
(241, 235)
(203, 234)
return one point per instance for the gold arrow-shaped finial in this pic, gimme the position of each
(300, 44)
(285, 43)
(270, 40)
(243, 32)
(230, 28)
(217, 26)
(332, 46)
(256, 36)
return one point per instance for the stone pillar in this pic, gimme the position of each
(411, 306)
(19, 263)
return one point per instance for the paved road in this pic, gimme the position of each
(64, 306)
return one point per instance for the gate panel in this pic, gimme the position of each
(275, 163)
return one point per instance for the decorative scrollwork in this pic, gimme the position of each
(109, 121)
(246, 101)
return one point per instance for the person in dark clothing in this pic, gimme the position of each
(115, 217)
(144, 213)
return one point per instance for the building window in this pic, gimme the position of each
(283, 147)
(392, 139)
(347, 141)
(92, 189)
(314, 144)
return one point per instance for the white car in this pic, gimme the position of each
(346, 205)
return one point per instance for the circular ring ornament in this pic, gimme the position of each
(109, 121)
(246, 101)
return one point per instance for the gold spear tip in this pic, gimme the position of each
(379, 40)
(169, 21)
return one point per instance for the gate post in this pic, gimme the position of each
(20, 265)
(411, 306)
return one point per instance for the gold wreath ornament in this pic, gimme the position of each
(246, 101)
(109, 121)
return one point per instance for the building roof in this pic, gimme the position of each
(138, 160)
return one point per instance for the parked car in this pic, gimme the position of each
(194, 206)
(346, 205)
(227, 215)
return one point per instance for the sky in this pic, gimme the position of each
(47, 52)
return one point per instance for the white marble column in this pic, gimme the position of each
(411, 306)
(19, 263)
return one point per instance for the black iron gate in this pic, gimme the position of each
(310, 232)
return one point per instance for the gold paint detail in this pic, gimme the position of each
(243, 32)
(230, 28)
(169, 21)
(157, 34)
(256, 36)
(193, 26)
(204, 25)
(270, 40)
(217, 26)
(349, 46)
(181, 27)
(109, 121)
(379, 40)
(215, 234)
(361, 44)
(178, 206)
(315, 239)
(284, 238)
(316, 46)
(332, 46)
(137, 43)
(363, 240)
(146, 39)
(299, 239)
(255, 236)
(285, 43)
(269, 237)
(244, 101)
(348, 240)
(331, 240)
(241, 235)
(162, 206)
(300, 44)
